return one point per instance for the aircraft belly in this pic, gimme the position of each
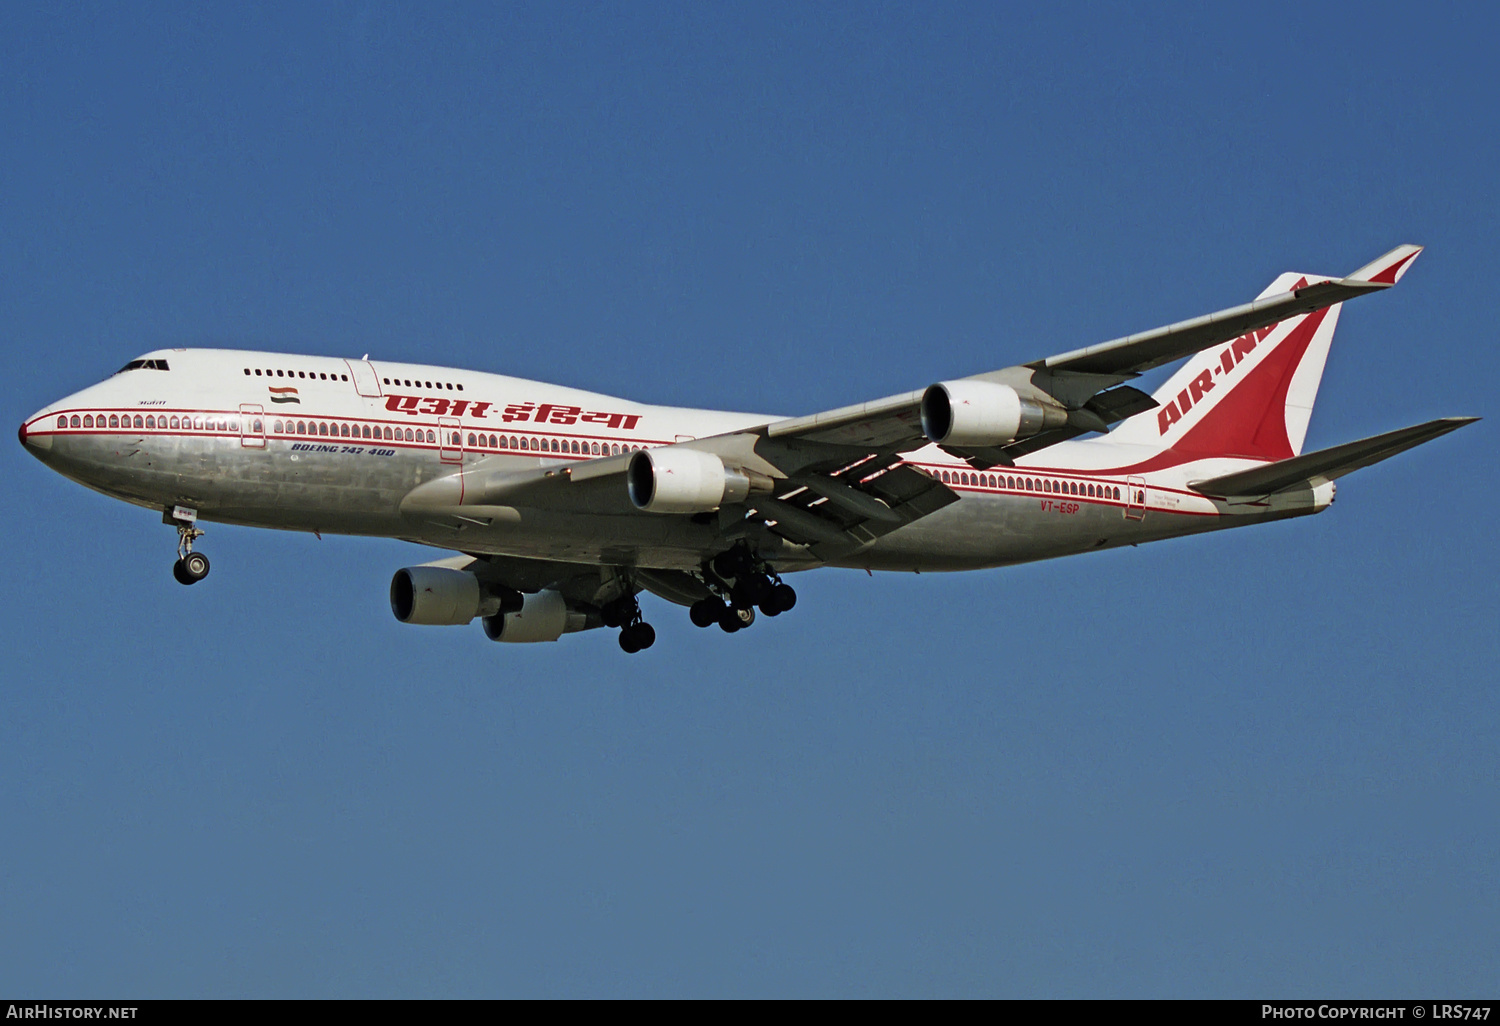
(346, 489)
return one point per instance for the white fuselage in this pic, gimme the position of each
(321, 444)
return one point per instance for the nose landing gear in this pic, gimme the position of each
(191, 567)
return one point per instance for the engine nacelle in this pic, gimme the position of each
(982, 413)
(673, 479)
(435, 595)
(543, 616)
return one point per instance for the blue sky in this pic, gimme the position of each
(1260, 762)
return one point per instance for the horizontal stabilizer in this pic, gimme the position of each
(1327, 463)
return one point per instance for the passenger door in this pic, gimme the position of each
(252, 426)
(450, 440)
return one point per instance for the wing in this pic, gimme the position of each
(1084, 388)
(835, 481)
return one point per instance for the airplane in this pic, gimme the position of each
(563, 505)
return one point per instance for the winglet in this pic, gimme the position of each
(1387, 270)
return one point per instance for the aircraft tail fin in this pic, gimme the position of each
(1253, 397)
(1327, 464)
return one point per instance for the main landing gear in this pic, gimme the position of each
(191, 567)
(625, 612)
(749, 584)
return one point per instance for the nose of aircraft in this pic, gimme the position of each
(36, 443)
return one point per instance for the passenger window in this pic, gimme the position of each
(175, 424)
(114, 421)
(150, 422)
(388, 434)
(431, 437)
(88, 420)
(62, 421)
(472, 442)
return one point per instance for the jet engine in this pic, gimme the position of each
(435, 595)
(677, 480)
(543, 616)
(965, 413)
(441, 595)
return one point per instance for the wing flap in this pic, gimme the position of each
(835, 512)
(1327, 464)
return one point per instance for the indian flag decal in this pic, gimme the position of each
(284, 395)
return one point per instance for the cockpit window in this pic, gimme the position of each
(160, 365)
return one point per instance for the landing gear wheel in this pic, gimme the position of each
(736, 618)
(190, 569)
(784, 597)
(729, 620)
(637, 636)
(195, 566)
(618, 613)
(751, 590)
(705, 612)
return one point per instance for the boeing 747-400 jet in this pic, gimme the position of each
(563, 505)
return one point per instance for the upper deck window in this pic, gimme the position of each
(143, 365)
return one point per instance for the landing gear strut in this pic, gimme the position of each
(748, 583)
(635, 633)
(191, 567)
